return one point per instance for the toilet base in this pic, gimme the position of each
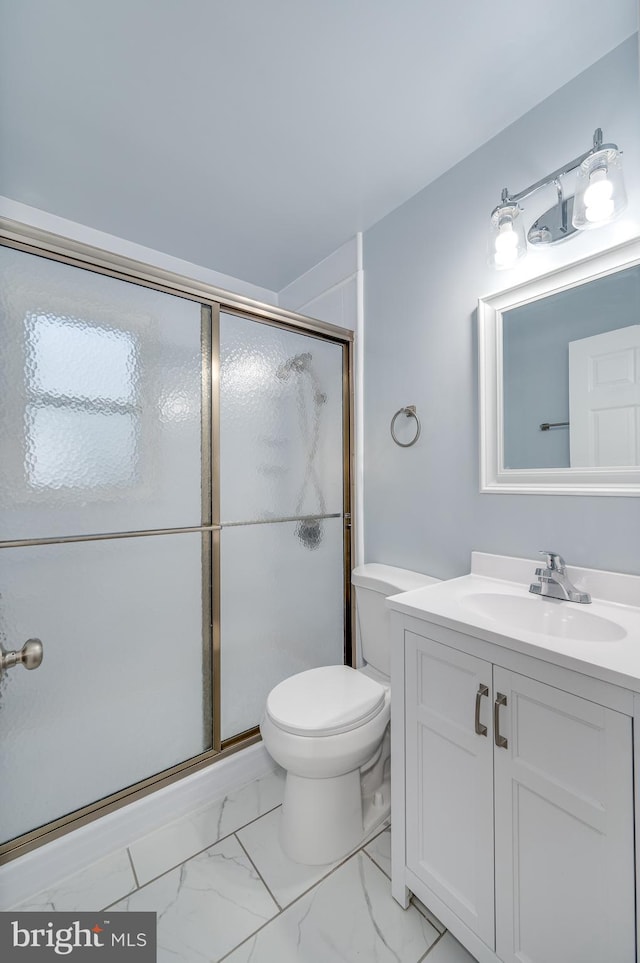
(376, 807)
(325, 819)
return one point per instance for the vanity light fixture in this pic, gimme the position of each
(600, 197)
(507, 242)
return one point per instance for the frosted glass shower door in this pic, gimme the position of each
(118, 696)
(282, 511)
(103, 544)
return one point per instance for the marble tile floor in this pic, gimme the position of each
(224, 890)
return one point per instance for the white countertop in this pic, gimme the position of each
(463, 604)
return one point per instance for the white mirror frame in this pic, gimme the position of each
(494, 477)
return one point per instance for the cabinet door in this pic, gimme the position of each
(563, 827)
(449, 779)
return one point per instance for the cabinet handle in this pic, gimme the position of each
(483, 690)
(501, 741)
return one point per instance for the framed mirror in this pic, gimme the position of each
(559, 380)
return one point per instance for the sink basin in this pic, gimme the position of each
(528, 613)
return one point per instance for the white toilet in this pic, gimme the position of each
(329, 729)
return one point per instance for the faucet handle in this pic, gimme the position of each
(555, 562)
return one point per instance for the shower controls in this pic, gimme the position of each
(30, 656)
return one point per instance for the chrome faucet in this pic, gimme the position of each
(554, 583)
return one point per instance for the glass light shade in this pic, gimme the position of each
(600, 194)
(507, 243)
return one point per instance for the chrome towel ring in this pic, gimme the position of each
(410, 412)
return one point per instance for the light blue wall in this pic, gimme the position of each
(425, 267)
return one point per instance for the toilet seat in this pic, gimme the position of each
(325, 701)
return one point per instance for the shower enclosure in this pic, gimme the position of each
(175, 526)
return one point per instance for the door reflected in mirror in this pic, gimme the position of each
(571, 376)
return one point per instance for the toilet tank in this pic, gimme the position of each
(373, 584)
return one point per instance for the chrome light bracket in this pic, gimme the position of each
(555, 224)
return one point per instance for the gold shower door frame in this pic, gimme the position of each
(212, 301)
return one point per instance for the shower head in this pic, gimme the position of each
(297, 364)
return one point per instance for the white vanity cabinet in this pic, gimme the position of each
(513, 799)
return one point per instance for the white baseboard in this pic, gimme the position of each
(69, 854)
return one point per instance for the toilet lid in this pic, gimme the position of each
(325, 701)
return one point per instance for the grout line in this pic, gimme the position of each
(133, 869)
(120, 899)
(345, 859)
(430, 919)
(260, 876)
(281, 909)
(199, 852)
(227, 955)
(417, 906)
(432, 947)
(383, 871)
(369, 839)
(193, 855)
(378, 832)
(188, 859)
(318, 883)
(421, 908)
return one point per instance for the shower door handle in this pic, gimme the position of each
(30, 656)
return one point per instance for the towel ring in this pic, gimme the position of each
(410, 412)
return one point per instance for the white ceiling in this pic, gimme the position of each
(256, 136)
